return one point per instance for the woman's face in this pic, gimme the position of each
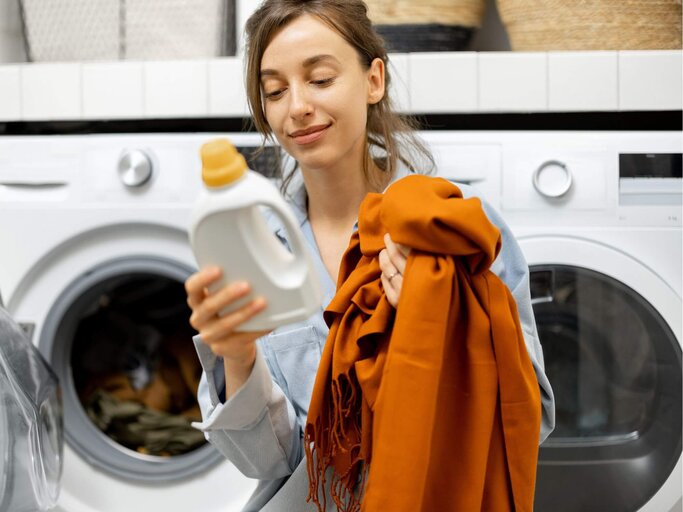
(316, 94)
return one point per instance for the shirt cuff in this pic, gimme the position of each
(247, 406)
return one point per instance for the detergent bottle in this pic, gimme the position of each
(228, 229)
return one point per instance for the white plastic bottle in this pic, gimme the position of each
(228, 230)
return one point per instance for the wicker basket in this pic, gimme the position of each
(426, 25)
(66, 30)
(546, 25)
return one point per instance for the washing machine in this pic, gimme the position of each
(93, 231)
(87, 222)
(598, 217)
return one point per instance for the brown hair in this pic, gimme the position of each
(387, 132)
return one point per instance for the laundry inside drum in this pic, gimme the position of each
(134, 366)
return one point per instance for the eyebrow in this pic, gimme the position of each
(311, 61)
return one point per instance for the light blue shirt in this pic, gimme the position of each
(260, 428)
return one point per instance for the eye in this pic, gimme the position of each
(323, 81)
(273, 95)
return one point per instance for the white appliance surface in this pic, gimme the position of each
(562, 195)
(64, 211)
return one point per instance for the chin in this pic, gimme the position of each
(314, 165)
(314, 160)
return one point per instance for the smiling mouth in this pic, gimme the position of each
(309, 135)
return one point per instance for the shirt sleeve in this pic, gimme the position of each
(513, 270)
(256, 429)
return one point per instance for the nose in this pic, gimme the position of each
(300, 105)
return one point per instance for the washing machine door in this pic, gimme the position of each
(31, 439)
(610, 330)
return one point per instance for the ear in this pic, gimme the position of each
(376, 81)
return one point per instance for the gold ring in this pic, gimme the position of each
(389, 278)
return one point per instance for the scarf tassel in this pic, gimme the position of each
(336, 443)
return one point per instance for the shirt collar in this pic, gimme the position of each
(298, 197)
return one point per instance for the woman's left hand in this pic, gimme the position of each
(392, 262)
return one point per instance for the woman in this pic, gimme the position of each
(317, 82)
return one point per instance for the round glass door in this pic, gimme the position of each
(120, 341)
(5, 437)
(615, 368)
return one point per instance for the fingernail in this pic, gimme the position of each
(258, 304)
(241, 286)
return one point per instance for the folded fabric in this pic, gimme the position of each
(434, 405)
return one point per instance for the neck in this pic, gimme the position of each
(334, 196)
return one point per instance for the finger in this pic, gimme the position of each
(250, 335)
(237, 346)
(389, 290)
(398, 259)
(403, 249)
(234, 344)
(216, 302)
(385, 264)
(196, 284)
(219, 300)
(227, 325)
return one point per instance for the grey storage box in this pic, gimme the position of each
(84, 30)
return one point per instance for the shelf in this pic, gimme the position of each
(423, 83)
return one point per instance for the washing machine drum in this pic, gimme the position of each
(31, 434)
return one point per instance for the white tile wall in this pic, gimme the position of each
(582, 81)
(443, 82)
(650, 81)
(176, 88)
(244, 9)
(422, 83)
(51, 91)
(10, 93)
(113, 90)
(399, 67)
(513, 82)
(227, 95)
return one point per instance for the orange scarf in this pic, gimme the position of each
(433, 406)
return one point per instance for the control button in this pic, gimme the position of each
(135, 168)
(552, 179)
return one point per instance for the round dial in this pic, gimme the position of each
(552, 179)
(135, 168)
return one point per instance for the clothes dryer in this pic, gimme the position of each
(95, 252)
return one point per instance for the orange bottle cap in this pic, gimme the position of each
(221, 163)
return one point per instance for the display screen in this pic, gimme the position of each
(650, 165)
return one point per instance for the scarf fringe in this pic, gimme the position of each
(339, 435)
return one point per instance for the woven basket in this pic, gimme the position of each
(547, 25)
(84, 30)
(467, 13)
(426, 25)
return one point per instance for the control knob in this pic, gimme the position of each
(135, 167)
(552, 179)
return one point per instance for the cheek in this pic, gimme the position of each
(268, 113)
(274, 117)
(360, 113)
(357, 103)
(273, 114)
(349, 107)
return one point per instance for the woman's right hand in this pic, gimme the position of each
(221, 333)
